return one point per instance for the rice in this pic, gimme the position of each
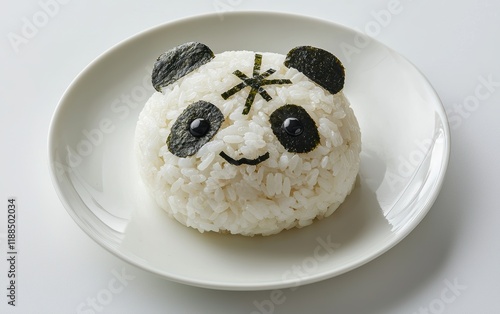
(206, 192)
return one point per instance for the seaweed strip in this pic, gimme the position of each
(245, 161)
(257, 64)
(249, 101)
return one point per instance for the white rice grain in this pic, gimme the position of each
(232, 139)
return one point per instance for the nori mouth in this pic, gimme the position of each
(246, 161)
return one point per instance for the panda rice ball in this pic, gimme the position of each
(248, 143)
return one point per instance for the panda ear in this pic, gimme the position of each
(319, 65)
(179, 61)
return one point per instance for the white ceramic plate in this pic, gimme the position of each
(405, 153)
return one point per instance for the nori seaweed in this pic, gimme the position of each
(319, 65)
(255, 82)
(180, 140)
(179, 61)
(302, 143)
(245, 161)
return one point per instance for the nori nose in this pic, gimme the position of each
(256, 83)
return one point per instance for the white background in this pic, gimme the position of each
(448, 264)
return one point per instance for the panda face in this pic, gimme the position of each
(248, 143)
(259, 86)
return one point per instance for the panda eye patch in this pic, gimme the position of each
(194, 127)
(294, 128)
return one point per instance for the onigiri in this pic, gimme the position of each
(245, 142)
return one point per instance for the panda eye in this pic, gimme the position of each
(199, 127)
(194, 127)
(294, 128)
